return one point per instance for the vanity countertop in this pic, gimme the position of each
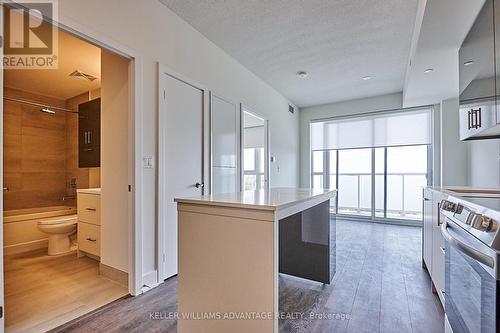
(89, 190)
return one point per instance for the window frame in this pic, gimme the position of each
(374, 218)
(259, 174)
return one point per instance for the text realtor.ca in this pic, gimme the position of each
(248, 316)
(30, 39)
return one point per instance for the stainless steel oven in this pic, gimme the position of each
(471, 272)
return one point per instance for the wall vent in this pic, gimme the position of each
(82, 75)
(291, 109)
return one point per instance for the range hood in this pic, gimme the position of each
(479, 77)
(479, 120)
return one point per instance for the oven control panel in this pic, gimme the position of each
(468, 217)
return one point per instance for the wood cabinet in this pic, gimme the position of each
(89, 223)
(89, 134)
(433, 244)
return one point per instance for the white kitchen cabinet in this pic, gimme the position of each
(427, 229)
(438, 254)
(433, 248)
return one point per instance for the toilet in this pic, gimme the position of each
(59, 229)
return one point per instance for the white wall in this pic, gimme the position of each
(483, 163)
(469, 163)
(454, 152)
(114, 160)
(370, 104)
(158, 35)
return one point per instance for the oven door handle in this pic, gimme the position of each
(470, 251)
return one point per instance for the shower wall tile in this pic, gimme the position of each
(34, 152)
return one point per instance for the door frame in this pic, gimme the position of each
(267, 155)
(2, 269)
(205, 158)
(86, 33)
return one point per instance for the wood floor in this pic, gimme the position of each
(380, 286)
(43, 292)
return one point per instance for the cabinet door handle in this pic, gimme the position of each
(88, 149)
(91, 209)
(475, 118)
(439, 214)
(91, 240)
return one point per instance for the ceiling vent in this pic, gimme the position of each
(79, 74)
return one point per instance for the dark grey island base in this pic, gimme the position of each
(307, 244)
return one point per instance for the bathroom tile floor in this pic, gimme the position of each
(43, 292)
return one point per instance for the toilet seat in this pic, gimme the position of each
(58, 220)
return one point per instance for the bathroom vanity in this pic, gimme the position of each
(233, 246)
(89, 222)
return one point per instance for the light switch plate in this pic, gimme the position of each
(148, 162)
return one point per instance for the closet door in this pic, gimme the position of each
(180, 165)
(225, 136)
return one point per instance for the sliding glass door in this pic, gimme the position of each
(383, 183)
(354, 182)
(378, 164)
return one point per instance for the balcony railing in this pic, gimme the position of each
(401, 210)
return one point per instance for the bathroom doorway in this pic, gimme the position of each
(66, 175)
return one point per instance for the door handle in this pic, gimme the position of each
(91, 209)
(91, 240)
(199, 185)
(439, 214)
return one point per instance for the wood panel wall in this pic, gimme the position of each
(35, 152)
(41, 152)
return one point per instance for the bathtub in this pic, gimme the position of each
(20, 230)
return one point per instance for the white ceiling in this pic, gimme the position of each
(336, 41)
(440, 30)
(73, 53)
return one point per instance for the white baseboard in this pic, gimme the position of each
(150, 280)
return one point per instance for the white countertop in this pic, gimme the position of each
(272, 199)
(466, 191)
(89, 190)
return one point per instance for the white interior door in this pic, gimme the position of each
(180, 160)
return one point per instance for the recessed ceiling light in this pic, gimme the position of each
(366, 78)
(468, 63)
(429, 70)
(302, 74)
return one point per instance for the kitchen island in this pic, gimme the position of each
(233, 246)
